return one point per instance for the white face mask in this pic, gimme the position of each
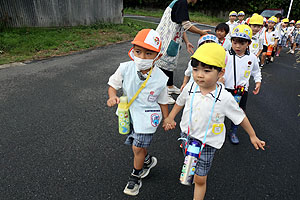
(143, 64)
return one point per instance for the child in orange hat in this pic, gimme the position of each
(150, 105)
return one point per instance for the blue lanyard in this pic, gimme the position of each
(190, 119)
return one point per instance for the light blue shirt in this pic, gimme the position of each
(145, 112)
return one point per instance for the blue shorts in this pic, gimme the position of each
(204, 162)
(138, 139)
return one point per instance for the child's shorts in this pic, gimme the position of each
(282, 41)
(205, 161)
(265, 49)
(297, 39)
(138, 139)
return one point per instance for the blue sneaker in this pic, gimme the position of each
(232, 135)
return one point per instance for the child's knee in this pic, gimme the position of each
(200, 180)
(138, 150)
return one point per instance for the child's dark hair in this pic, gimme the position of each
(278, 15)
(195, 63)
(240, 40)
(221, 27)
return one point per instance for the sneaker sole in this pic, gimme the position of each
(128, 192)
(148, 171)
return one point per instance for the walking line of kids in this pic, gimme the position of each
(215, 86)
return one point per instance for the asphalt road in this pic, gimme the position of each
(59, 140)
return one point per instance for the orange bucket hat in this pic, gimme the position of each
(148, 39)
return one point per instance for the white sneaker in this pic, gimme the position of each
(147, 167)
(171, 100)
(133, 186)
(292, 52)
(272, 59)
(174, 90)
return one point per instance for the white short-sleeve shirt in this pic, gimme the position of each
(270, 37)
(225, 106)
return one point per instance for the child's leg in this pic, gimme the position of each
(294, 47)
(139, 157)
(200, 187)
(279, 49)
(263, 58)
(264, 55)
(139, 143)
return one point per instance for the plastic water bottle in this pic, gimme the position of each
(238, 93)
(123, 116)
(189, 165)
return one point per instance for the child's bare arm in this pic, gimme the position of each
(257, 143)
(164, 110)
(113, 99)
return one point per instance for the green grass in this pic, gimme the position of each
(194, 16)
(20, 44)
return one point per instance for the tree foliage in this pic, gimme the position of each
(249, 6)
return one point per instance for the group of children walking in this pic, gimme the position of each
(215, 86)
(269, 35)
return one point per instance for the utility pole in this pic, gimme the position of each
(290, 9)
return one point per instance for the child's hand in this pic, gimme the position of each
(257, 88)
(257, 143)
(113, 101)
(169, 124)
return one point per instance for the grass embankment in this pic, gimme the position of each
(20, 44)
(194, 16)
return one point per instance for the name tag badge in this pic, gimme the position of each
(247, 74)
(255, 45)
(217, 128)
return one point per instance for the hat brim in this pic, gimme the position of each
(146, 46)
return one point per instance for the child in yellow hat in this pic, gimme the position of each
(296, 37)
(231, 23)
(290, 32)
(283, 35)
(270, 37)
(256, 24)
(149, 107)
(206, 104)
(241, 64)
(241, 16)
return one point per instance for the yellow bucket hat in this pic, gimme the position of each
(272, 19)
(285, 20)
(241, 13)
(242, 31)
(257, 19)
(211, 54)
(232, 13)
